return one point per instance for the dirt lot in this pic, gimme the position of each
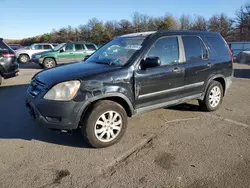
(176, 147)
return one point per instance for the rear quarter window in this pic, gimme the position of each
(219, 45)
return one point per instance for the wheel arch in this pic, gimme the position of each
(51, 58)
(116, 97)
(23, 54)
(219, 78)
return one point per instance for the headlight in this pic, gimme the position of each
(64, 91)
(37, 56)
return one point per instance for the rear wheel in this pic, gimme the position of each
(24, 58)
(104, 124)
(49, 63)
(213, 97)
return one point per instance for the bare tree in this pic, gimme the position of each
(221, 23)
(185, 22)
(199, 23)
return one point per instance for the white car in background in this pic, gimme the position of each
(25, 54)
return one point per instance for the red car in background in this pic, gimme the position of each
(15, 46)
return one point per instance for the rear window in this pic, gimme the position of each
(219, 45)
(3, 46)
(90, 46)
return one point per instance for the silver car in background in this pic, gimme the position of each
(25, 54)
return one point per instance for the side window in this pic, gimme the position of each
(38, 47)
(194, 48)
(69, 47)
(47, 47)
(167, 49)
(220, 45)
(79, 47)
(90, 47)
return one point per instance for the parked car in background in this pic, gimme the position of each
(15, 46)
(243, 57)
(8, 66)
(25, 54)
(237, 47)
(145, 71)
(64, 53)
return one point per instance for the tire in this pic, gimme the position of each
(1, 79)
(101, 111)
(23, 58)
(49, 63)
(213, 97)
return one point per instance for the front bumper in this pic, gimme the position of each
(55, 114)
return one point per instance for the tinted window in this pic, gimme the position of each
(38, 47)
(90, 46)
(46, 47)
(219, 45)
(194, 48)
(3, 46)
(78, 47)
(69, 47)
(167, 49)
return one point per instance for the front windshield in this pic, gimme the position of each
(59, 46)
(117, 51)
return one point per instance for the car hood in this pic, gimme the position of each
(74, 71)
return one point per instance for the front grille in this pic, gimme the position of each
(36, 87)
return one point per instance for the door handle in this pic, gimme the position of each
(209, 64)
(177, 70)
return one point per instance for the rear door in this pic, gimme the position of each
(198, 66)
(80, 52)
(66, 55)
(164, 83)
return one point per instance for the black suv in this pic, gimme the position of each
(131, 74)
(8, 65)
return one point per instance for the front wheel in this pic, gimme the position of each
(104, 124)
(49, 63)
(213, 97)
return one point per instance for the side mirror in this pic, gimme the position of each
(150, 62)
(61, 51)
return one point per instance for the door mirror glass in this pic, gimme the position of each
(150, 62)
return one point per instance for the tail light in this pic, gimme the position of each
(7, 54)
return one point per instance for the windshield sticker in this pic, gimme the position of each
(133, 47)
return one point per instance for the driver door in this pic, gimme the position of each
(162, 83)
(67, 54)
